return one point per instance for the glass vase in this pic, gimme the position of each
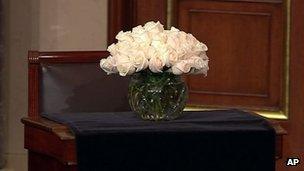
(157, 96)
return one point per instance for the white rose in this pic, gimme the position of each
(182, 53)
(196, 62)
(185, 46)
(124, 65)
(160, 37)
(191, 39)
(156, 64)
(121, 59)
(138, 30)
(173, 29)
(158, 50)
(172, 57)
(175, 71)
(173, 41)
(196, 47)
(126, 48)
(139, 60)
(125, 69)
(108, 65)
(152, 46)
(182, 36)
(140, 35)
(154, 27)
(112, 49)
(157, 45)
(199, 65)
(124, 36)
(150, 52)
(203, 55)
(200, 47)
(144, 48)
(122, 47)
(164, 53)
(181, 67)
(201, 71)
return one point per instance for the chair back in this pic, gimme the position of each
(61, 82)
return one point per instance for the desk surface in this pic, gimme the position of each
(238, 130)
(217, 120)
(43, 129)
(210, 140)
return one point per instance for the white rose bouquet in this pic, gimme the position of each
(159, 50)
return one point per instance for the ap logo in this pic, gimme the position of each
(292, 161)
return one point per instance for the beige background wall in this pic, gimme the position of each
(56, 25)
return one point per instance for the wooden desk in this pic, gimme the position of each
(52, 146)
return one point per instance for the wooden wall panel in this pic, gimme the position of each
(147, 10)
(120, 17)
(125, 14)
(245, 41)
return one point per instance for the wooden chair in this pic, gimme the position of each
(65, 82)
(70, 82)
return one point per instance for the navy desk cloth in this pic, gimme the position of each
(221, 140)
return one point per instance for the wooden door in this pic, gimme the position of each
(255, 51)
(245, 41)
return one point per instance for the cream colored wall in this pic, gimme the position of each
(56, 25)
(72, 25)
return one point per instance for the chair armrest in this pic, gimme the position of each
(47, 137)
(61, 130)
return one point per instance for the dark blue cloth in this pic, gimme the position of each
(230, 140)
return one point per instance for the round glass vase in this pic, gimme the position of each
(157, 96)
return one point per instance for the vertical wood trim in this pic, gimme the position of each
(114, 19)
(2, 113)
(33, 84)
(286, 87)
(172, 19)
(121, 16)
(293, 144)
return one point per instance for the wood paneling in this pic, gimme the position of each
(120, 17)
(246, 52)
(125, 14)
(147, 10)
